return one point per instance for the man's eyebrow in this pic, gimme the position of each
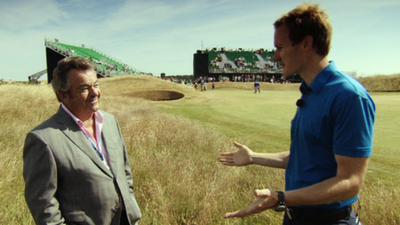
(83, 85)
(87, 85)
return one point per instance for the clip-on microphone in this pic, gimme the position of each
(300, 103)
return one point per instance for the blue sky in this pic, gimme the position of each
(162, 36)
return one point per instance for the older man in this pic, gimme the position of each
(76, 167)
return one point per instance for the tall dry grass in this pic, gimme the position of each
(22, 107)
(381, 83)
(379, 203)
(177, 177)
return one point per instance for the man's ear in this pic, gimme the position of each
(307, 42)
(62, 95)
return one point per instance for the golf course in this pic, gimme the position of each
(174, 135)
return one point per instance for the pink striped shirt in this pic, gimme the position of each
(96, 142)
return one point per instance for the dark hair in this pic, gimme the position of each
(60, 74)
(308, 19)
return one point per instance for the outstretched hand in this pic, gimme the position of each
(265, 201)
(241, 157)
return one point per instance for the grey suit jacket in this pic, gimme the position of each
(67, 183)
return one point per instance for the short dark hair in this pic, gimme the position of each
(308, 19)
(60, 80)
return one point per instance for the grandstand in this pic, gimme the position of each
(230, 63)
(106, 66)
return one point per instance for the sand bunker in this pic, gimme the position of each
(156, 95)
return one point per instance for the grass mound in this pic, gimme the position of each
(381, 83)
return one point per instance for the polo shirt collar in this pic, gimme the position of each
(321, 79)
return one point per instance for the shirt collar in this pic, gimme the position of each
(321, 79)
(98, 116)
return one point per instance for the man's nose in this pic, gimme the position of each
(94, 91)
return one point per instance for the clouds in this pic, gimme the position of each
(162, 36)
(17, 16)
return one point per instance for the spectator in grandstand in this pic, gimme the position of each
(213, 85)
(331, 133)
(76, 166)
(256, 87)
(283, 80)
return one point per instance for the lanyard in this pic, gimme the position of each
(97, 150)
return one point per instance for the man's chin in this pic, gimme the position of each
(94, 107)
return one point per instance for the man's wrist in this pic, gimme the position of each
(255, 158)
(274, 196)
(251, 156)
(281, 202)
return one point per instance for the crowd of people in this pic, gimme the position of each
(240, 63)
(247, 78)
(223, 50)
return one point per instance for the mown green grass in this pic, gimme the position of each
(385, 159)
(264, 121)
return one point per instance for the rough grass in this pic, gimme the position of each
(178, 179)
(381, 83)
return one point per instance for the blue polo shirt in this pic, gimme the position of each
(337, 118)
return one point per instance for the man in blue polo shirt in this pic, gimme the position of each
(331, 133)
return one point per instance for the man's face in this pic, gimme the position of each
(286, 54)
(84, 96)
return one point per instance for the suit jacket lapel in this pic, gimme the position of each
(109, 139)
(74, 134)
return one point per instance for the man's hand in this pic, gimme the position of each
(266, 200)
(241, 157)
